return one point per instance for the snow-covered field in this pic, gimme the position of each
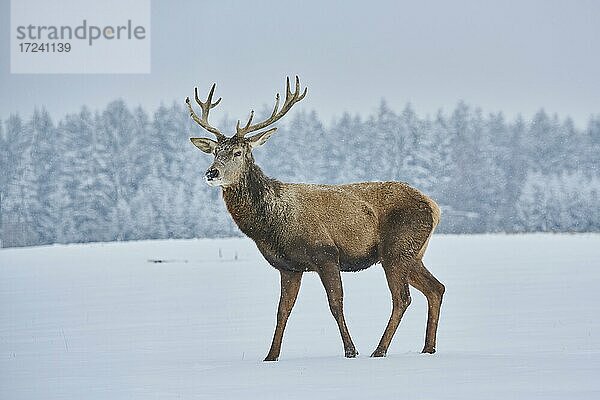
(99, 321)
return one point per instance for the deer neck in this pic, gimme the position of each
(255, 203)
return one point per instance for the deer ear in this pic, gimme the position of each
(260, 138)
(205, 144)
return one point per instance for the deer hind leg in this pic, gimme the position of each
(404, 236)
(397, 279)
(425, 282)
(290, 285)
(332, 282)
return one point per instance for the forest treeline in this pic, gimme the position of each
(121, 174)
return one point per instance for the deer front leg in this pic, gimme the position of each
(332, 281)
(290, 285)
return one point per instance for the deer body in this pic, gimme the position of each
(327, 229)
(295, 224)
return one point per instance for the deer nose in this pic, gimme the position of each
(212, 173)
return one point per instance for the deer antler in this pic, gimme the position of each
(290, 100)
(205, 106)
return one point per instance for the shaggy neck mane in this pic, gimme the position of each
(255, 203)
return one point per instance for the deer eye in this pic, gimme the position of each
(237, 153)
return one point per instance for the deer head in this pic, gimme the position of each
(234, 154)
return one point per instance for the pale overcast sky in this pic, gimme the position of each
(511, 56)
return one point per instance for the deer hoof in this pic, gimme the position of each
(350, 353)
(379, 353)
(271, 358)
(428, 350)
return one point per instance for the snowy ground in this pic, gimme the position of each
(100, 321)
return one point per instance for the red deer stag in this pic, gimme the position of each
(324, 228)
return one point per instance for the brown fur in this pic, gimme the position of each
(324, 228)
(328, 229)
